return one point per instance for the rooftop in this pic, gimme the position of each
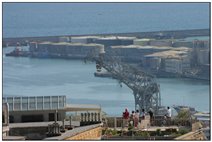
(144, 39)
(71, 44)
(176, 53)
(84, 37)
(143, 47)
(116, 37)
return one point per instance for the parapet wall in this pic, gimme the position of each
(92, 134)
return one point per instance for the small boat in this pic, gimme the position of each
(18, 53)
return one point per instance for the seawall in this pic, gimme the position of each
(157, 34)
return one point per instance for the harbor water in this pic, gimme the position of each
(75, 79)
(24, 76)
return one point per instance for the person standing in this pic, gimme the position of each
(136, 118)
(143, 114)
(169, 115)
(126, 117)
(132, 118)
(151, 116)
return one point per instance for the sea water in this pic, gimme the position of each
(43, 19)
(23, 76)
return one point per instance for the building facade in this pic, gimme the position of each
(35, 109)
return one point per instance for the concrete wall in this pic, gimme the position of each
(173, 65)
(203, 57)
(152, 62)
(177, 65)
(92, 134)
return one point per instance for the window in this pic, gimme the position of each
(24, 103)
(46, 102)
(40, 103)
(54, 102)
(61, 101)
(17, 103)
(10, 102)
(32, 102)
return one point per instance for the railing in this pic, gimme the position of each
(157, 121)
(90, 118)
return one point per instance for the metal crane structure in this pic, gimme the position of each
(145, 89)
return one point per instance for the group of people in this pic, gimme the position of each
(133, 118)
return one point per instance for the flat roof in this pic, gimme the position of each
(143, 39)
(84, 37)
(103, 37)
(70, 44)
(143, 47)
(116, 37)
(169, 54)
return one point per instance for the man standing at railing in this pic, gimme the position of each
(169, 115)
(125, 118)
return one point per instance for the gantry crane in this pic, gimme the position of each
(145, 89)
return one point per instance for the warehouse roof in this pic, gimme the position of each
(116, 37)
(71, 44)
(144, 39)
(84, 37)
(170, 54)
(143, 47)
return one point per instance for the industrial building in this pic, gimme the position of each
(84, 39)
(135, 53)
(166, 42)
(114, 41)
(203, 56)
(63, 49)
(104, 40)
(176, 60)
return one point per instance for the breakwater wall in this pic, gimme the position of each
(157, 34)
